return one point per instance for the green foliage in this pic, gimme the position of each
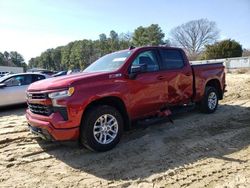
(79, 54)
(1, 59)
(223, 49)
(12, 58)
(151, 35)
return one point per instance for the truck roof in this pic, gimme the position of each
(150, 47)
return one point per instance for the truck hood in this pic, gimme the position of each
(61, 82)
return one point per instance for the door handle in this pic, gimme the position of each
(160, 78)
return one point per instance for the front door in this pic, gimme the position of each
(147, 90)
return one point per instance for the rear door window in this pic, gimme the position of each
(38, 77)
(171, 59)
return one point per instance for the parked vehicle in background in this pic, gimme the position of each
(97, 105)
(7, 69)
(42, 71)
(3, 74)
(74, 71)
(47, 72)
(13, 87)
(61, 73)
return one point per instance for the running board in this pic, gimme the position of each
(167, 113)
(182, 109)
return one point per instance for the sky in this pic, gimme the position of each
(32, 26)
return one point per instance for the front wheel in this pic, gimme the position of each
(209, 102)
(101, 128)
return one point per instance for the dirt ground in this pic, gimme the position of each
(198, 150)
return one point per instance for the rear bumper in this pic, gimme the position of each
(44, 128)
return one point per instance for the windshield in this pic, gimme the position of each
(110, 62)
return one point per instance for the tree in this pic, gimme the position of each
(16, 58)
(13, 59)
(79, 54)
(223, 49)
(65, 58)
(102, 44)
(139, 38)
(32, 63)
(6, 56)
(113, 41)
(151, 35)
(113, 35)
(103, 37)
(56, 58)
(155, 34)
(1, 59)
(194, 35)
(7, 59)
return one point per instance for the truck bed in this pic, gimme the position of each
(202, 74)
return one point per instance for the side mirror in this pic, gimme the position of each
(2, 85)
(137, 69)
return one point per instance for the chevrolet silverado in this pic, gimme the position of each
(95, 106)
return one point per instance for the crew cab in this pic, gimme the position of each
(95, 106)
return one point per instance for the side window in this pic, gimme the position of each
(19, 80)
(148, 58)
(171, 59)
(12, 82)
(38, 77)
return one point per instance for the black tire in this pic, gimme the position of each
(90, 119)
(205, 105)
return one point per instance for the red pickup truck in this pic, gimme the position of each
(95, 106)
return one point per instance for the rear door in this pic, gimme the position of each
(147, 92)
(37, 77)
(178, 76)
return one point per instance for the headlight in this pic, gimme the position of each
(62, 94)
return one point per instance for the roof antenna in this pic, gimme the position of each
(131, 47)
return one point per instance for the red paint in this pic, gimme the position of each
(143, 96)
(56, 133)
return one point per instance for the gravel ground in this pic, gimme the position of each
(197, 150)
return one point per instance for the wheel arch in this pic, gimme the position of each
(115, 102)
(216, 84)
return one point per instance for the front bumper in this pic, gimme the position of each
(45, 127)
(42, 133)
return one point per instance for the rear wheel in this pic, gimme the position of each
(209, 102)
(101, 128)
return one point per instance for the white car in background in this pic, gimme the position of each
(13, 87)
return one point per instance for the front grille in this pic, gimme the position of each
(40, 109)
(38, 95)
